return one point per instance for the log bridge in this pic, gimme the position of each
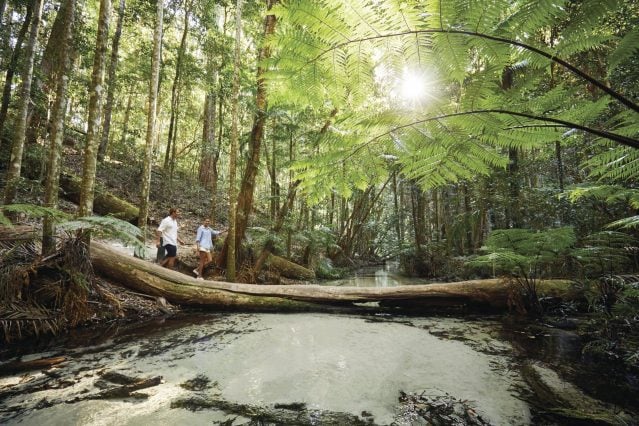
(145, 277)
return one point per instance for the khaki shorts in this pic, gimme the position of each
(205, 250)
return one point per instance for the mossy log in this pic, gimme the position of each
(104, 202)
(18, 233)
(289, 269)
(149, 278)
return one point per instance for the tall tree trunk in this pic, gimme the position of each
(173, 144)
(418, 218)
(230, 258)
(207, 148)
(398, 212)
(5, 34)
(468, 212)
(216, 158)
(56, 136)
(245, 200)
(151, 119)
(95, 111)
(513, 216)
(127, 116)
(170, 150)
(12, 68)
(15, 163)
(113, 66)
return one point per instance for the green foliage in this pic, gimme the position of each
(346, 55)
(102, 226)
(525, 253)
(605, 252)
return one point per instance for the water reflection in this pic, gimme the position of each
(386, 275)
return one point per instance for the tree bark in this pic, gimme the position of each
(169, 156)
(56, 137)
(15, 163)
(151, 118)
(95, 109)
(152, 279)
(235, 91)
(113, 66)
(245, 199)
(12, 67)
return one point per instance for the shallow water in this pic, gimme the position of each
(346, 364)
(383, 276)
(356, 365)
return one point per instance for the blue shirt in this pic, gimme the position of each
(205, 237)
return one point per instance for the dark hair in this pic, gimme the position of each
(172, 210)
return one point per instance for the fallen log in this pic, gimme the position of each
(104, 202)
(289, 269)
(35, 364)
(149, 278)
(17, 233)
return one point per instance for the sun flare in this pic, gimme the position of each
(415, 86)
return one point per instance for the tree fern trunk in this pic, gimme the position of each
(15, 163)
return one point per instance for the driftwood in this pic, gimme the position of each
(104, 202)
(36, 364)
(125, 391)
(178, 288)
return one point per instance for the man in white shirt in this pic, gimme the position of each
(168, 230)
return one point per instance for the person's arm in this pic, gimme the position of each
(198, 237)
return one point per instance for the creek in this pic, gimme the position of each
(305, 368)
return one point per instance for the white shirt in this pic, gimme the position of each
(169, 227)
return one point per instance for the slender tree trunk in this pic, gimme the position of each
(151, 119)
(230, 258)
(207, 148)
(113, 66)
(418, 218)
(12, 68)
(125, 123)
(52, 182)
(170, 150)
(245, 200)
(398, 213)
(5, 34)
(216, 158)
(95, 111)
(468, 212)
(15, 163)
(173, 144)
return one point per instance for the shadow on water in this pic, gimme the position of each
(563, 351)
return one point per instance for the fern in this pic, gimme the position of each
(108, 226)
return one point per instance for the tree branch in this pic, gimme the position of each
(616, 95)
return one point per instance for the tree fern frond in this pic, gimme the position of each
(626, 48)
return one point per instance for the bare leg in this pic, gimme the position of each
(202, 263)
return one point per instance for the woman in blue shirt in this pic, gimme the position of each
(204, 246)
